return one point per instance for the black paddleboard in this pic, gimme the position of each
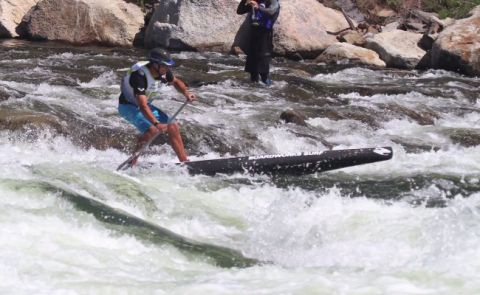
(297, 164)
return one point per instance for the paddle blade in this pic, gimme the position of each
(127, 164)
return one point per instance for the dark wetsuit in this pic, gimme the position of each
(260, 46)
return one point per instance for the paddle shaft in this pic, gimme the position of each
(128, 162)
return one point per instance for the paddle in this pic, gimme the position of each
(129, 162)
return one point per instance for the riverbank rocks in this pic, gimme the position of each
(186, 25)
(11, 15)
(397, 48)
(352, 37)
(340, 52)
(457, 48)
(112, 22)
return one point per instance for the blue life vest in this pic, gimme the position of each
(260, 18)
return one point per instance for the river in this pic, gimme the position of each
(71, 224)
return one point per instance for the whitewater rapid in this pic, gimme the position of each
(404, 226)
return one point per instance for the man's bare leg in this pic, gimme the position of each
(143, 139)
(174, 136)
(177, 142)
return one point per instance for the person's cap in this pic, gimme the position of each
(160, 56)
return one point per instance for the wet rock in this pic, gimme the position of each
(299, 92)
(291, 116)
(457, 48)
(83, 134)
(360, 114)
(201, 140)
(102, 137)
(352, 54)
(397, 48)
(112, 22)
(14, 120)
(363, 115)
(414, 147)
(8, 92)
(465, 137)
(422, 117)
(4, 94)
(300, 73)
(11, 15)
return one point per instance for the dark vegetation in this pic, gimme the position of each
(450, 8)
(444, 8)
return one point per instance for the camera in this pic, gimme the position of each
(255, 16)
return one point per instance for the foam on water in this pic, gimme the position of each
(60, 249)
(334, 231)
(352, 75)
(328, 238)
(278, 140)
(106, 78)
(412, 99)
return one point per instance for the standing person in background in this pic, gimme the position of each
(262, 15)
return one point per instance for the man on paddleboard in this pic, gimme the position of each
(139, 87)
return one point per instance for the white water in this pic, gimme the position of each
(319, 241)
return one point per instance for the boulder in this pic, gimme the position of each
(186, 25)
(397, 48)
(302, 28)
(112, 22)
(457, 48)
(352, 54)
(11, 15)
